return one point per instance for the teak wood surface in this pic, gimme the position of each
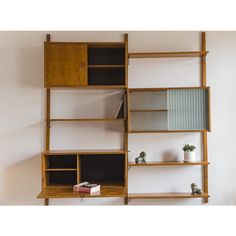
(67, 192)
(166, 54)
(165, 195)
(65, 64)
(66, 67)
(168, 163)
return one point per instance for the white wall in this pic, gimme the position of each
(22, 114)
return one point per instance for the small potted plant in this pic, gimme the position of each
(189, 153)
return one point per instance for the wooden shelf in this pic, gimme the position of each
(166, 54)
(67, 192)
(155, 110)
(165, 195)
(162, 89)
(61, 169)
(106, 44)
(169, 163)
(166, 131)
(106, 66)
(89, 87)
(78, 152)
(88, 119)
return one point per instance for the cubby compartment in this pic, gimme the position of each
(106, 55)
(61, 162)
(106, 169)
(149, 121)
(106, 76)
(148, 101)
(61, 178)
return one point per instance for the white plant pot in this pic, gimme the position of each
(189, 156)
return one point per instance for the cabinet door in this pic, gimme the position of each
(188, 109)
(65, 64)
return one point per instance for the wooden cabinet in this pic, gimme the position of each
(84, 64)
(157, 110)
(65, 64)
(104, 65)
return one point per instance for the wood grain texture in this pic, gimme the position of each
(168, 163)
(78, 152)
(165, 195)
(126, 38)
(67, 192)
(65, 64)
(86, 119)
(204, 134)
(106, 66)
(165, 131)
(89, 87)
(43, 172)
(156, 110)
(132, 90)
(166, 54)
(46, 201)
(60, 169)
(48, 115)
(203, 60)
(205, 168)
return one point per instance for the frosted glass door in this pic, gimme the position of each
(187, 109)
(148, 111)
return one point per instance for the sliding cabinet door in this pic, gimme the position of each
(188, 109)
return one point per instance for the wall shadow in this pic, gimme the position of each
(21, 182)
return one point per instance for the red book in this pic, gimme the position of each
(86, 187)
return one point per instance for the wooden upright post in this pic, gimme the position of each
(203, 60)
(126, 60)
(48, 101)
(125, 140)
(48, 38)
(204, 133)
(46, 202)
(47, 129)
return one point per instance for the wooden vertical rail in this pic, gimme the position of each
(46, 201)
(205, 168)
(204, 134)
(48, 101)
(47, 146)
(48, 38)
(203, 60)
(126, 119)
(44, 176)
(126, 60)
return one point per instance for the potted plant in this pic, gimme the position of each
(189, 153)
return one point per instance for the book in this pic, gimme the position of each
(86, 187)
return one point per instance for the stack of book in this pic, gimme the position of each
(86, 187)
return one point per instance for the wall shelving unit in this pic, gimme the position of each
(86, 66)
(104, 65)
(182, 111)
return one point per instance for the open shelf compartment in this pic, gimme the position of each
(106, 65)
(108, 169)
